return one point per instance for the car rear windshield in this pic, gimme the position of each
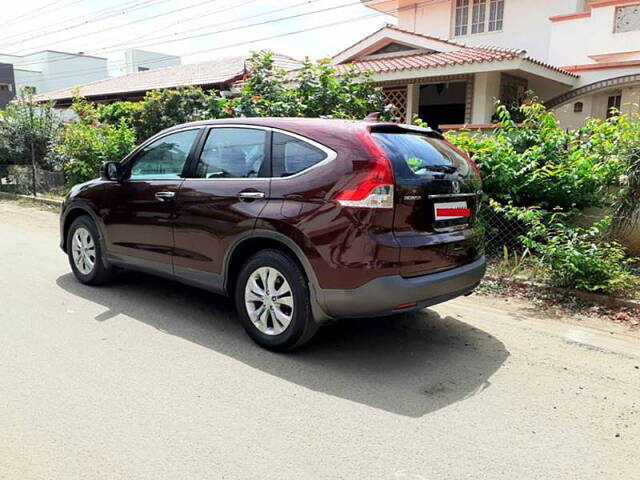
(414, 154)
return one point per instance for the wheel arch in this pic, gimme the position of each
(263, 239)
(73, 212)
(247, 245)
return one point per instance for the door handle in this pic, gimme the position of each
(162, 196)
(250, 195)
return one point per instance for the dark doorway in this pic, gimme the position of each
(443, 103)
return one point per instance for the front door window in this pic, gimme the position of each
(165, 158)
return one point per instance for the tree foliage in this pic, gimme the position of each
(25, 125)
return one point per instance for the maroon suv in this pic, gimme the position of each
(302, 220)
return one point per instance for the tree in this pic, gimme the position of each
(26, 132)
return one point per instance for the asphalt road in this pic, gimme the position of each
(145, 378)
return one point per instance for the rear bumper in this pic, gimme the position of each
(383, 295)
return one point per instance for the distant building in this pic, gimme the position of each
(51, 70)
(220, 74)
(134, 60)
(7, 84)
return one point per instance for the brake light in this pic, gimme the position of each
(375, 188)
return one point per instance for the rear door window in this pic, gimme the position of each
(293, 155)
(415, 155)
(231, 152)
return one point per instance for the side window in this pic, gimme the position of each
(164, 158)
(292, 155)
(232, 153)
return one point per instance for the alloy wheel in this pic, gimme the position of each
(84, 251)
(269, 300)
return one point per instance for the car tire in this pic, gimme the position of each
(279, 319)
(85, 253)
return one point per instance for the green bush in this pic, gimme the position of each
(84, 147)
(572, 256)
(537, 162)
(113, 113)
(313, 91)
(165, 108)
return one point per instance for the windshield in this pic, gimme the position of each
(414, 154)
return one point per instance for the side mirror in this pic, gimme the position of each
(111, 171)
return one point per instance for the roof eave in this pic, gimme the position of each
(517, 63)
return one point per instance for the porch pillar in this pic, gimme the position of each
(413, 101)
(486, 90)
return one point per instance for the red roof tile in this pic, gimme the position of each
(464, 54)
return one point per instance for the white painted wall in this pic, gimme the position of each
(27, 78)
(526, 23)
(62, 70)
(596, 106)
(50, 70)
(133, 59)
(575, 41)
(486, 90)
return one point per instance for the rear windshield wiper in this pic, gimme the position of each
(440, 168)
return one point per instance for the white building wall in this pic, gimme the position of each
(134, 60)
(577, 41)
(28, 78)
(526, 23)
(62, 70)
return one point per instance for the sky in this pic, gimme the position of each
(221, 28)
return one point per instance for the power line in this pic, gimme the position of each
(34, 13)
(307, 2)
(249, 42)
(66, 21)
(140, 20)
(242, 27)
(111, 49)
(136, 6)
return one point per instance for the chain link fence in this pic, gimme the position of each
(505, 234)
(20, 179)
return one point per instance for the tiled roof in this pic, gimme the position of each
(214, 73)
(388, 26)
(463, 54)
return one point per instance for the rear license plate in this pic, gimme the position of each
(451, 210)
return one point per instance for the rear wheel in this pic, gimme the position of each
(272, 298)
(85, 253)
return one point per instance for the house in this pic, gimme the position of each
(136, 60)
(52, 70)
(449, 60)
(220, 74)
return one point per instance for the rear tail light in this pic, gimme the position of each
(374, 187)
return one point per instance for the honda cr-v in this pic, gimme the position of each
(302, 221)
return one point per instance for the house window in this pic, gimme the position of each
(627, 19)
(479, 13)
(474, 16)
(462, 17)
(613, 105)
(496, 15)
(578, 107)
(5, 87)
(143, 69)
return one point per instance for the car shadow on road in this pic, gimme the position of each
(411, 364)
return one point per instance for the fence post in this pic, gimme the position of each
(33, 170)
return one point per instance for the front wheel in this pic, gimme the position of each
(272, 298)
(85, 253)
